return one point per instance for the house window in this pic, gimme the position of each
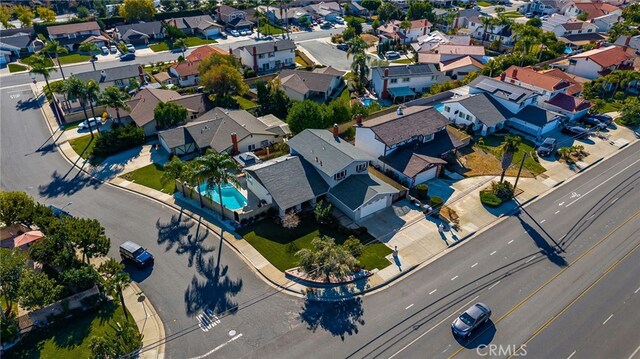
(468, 117)
(427, 138)
(406, 79)
(361, 167)
(261, 56)
(579, 31)
(272, 54)
(589, 30)
(447, 109)
(193, 116)
(461, 115)
(252, 147)
(394, 81)
(340, 175)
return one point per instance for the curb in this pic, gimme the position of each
(159, 348)
(595, 162)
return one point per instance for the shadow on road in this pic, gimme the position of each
(177, 233)
(30, 104)
(338, 318)
(66, 184)
(484, 336)
(136, 274)
(551, 252)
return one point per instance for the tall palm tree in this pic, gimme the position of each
(92, 49)
(172, 171)
(190, 177)
(486, 22)
(54, 47)
(180, 44)
(214, 170)
(509, 148)
(76, 89)
(113, 97)
(93, 93)
(359, 65)
(115, 279)
(39, 67)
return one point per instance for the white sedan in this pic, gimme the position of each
(94, 121)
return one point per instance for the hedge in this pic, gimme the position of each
(487, 197)
(176, 14)
(118, 139)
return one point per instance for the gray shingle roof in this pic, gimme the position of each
(289, 180)
(266, 47)
(148, 28)
(110, 74)
(485, 108)
(356, 190)
(305, 81)
(333, 154)
(501, 89)
(417, 120)
(19, 40)
(536, 115)
(407, 70)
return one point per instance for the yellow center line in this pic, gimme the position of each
(552, 278)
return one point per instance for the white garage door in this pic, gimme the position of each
(373, 206)
(427, 175)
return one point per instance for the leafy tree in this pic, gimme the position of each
(419, 10)
(338, 110)
(272, 99)
(114, 97)
(173, 33)
(306, 114)
(12, 266)
(100, 7)
(214, 169)
(180, 44)
(5, 16)
(326, 259)
(82, 12)
(389, 11)
(46, 14)
(52, 48)
(630, 115)
(183, 5)
(56, 250)
(126, 339)
(214, 60)
(115, 279)
(88, 236)
(290, 220)
(16, 207)
(375, 25)
(168, 114)
(224, 81)
(322, 212)
(509, 148)
(89, 47)
(354, 246)
(135, 10)
(37, 290)
(503, 189)
(355, 25)
(371, 5)
(81, 278)
(632, 12)
(536, 22)
(348, 34)
(24, 15)
(168, 5)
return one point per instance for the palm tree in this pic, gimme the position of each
(486, 22)
(92, 49)
(76, 89)
(509, 148)
(39, 67)
(190, 177)
(54, 47)
(214, 170)
(93, 93)
(359, 65)
(172, 171)
(115, 279)
(113, 97)
(180, 44)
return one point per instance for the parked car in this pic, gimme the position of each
(576, 131)
(391, 54)
(547, 147)
(471, 319)
(59, 212)
(528, 15)
(130, 251)
(94, 121)
(593, 122)
(113, 49)
(128, 57)
(326, 25)
(131, 48)
(606, 119)
(343, 47)
(339, 20)
(234, 32)
(105, 50)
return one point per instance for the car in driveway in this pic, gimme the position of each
(245, 32)
(391, 55)
(343, 47)
(234, 32)
(128, 57)
(470, 319)
(326, 25)
(105, 50)
(339, 20)
(133, 252)
(547, 147)
(528, 15)
(113, 49)
(606, 119)
(131, 48)
(93, 121)
(576, 131)
(593, 122)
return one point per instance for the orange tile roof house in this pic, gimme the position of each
(599, 62)
(205, 51)
(594, 9)
(392, 31)
(186, 72)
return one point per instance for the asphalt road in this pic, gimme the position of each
(327, 54)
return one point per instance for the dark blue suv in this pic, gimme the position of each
(135, 253)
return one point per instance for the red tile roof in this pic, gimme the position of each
(576, 86)
(531, 77)
(596, 9)
(186, 68)
(605, 57)
(205, 51)
(569, 103)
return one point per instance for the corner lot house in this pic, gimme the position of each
(413, 142)
(115, 76)
(140, 34)
(599, 62)
(321, 165)
(231, 131)
(71, 35)
(322, 83)
(267, 56)
(404, 82)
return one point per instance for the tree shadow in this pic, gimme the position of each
(66, 184)
(177, 232)
(216, 292)
(484, 335)
(30, 104)
(338, 318)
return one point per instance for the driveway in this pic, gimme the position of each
(326, 53)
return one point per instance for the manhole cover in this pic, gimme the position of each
(232, 333)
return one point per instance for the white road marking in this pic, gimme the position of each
(432, 328)
(603, 182)
(557, 212)
(511, 241)
(474, 265)
(232, 332)
(637, 290)
(605, 322)
(544, 220)
(634, 352)
(218, 347)
(572, 354)
(454, 278)
(408, 307)
(14, 86)
(529, 260)
(563, 236)
(433, 291)
(615, 199)
(492, 253)
(560, 204)
(493, 285)
(591, 216)
(207, 320)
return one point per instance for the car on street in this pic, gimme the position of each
(593, 122)
(343, 47)
(131, 48)
(547, 147)
(528, 15)
(606, 119)
(391, 55)
(105, 50)
(113, 49)
(133, 252)
(576, 131)
(59, 212)
(470, 319)
(94, 121)
(128, 57)
(326, 25)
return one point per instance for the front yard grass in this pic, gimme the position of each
(150, 176)
(161, 46)
(611, 106)
(271, 240)
(486, 159)
(16, 68)
(84, 148)
(244, 103)
(512, 14)
(348, 18)
(28, 60)
(73, 58)
(69, 338)
(403, 61)
(300, 61)
(268, 29)
(189, 41)
(484, 3)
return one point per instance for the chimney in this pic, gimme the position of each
(234, 140)
(626, 43)
(598, 44)
(255, 59)
(424, 29)
(230, 51)
(175, 23)
(336, 130)
(103, 76)
(359, 119)
(141, 74)
(503, 76)
(384, 84)
(515, 73)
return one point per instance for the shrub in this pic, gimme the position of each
(118, 139)
(436, 202)
(489, 199)
(353, 245)
(290, 220)
(504, 190)
(8, 328)
(322, 212)
(292, 248)
(421, 191)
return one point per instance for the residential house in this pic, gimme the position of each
(444, 53)
(546, 7)
(574, 28)
(321, 166)
(186, 73)
(354, 8)
(576, 81)
(554, 23)
(502, 33)
(468, 19)
(233, 19)
(513, 97)
(141, 33)
(592, 9)
(267, 56)
(625, 41)
(288, 16)
(325, 10)
(391, 31)
(202, 52)
(323, 83)
(459, 68)
(412, 142)
(404, 82)
(142, 105)
(599, 62)
(71, 35)
(20, 43)
(202, 25)
(436, 38)
(230, 131)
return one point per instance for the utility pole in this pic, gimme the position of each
(519, 171)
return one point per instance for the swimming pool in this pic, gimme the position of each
(231, 197)
(568, 50)
(439, 107)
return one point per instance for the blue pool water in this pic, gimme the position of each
(231, 197)
(439, 107)
(568, 50)
(367, 101)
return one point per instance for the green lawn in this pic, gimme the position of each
(28, 60)
(84, 148)
(492, 145)
(69, 338)
(196, 41)
(268, 29)
(300, 61)
(244, 103)
(512, 14)
(73, 58)
(403, 61)
(611, 106)
(150, 176)
(162, 46)
(484, 3)
(348, 18)
(271, 240)
(17, 68)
